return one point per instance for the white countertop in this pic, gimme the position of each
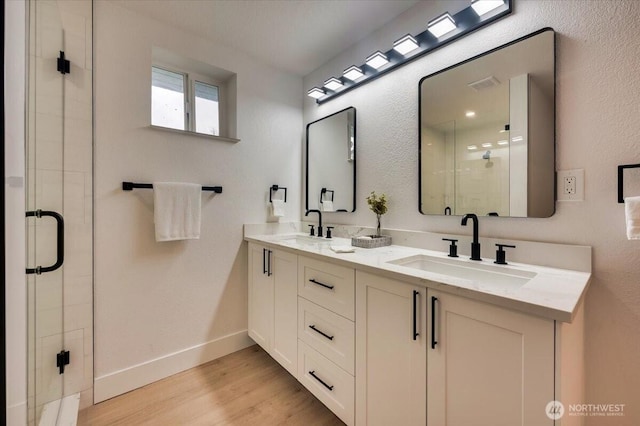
(552, 293)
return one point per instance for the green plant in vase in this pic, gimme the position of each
(378, 205)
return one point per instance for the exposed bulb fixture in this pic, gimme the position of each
(405, 45)
(482, 7)
(333, 84)
(353, 73)
(377, 60)
(441, 25)
(470, 114)
(316, 93)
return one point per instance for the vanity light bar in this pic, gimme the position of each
(405, 45)
(377, 60)
(442, 25)
(482, 7)
(440, 31)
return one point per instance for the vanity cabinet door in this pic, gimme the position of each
(390, 352)
(260, 296)
(487, 365)
(285, 310)
(273, 303)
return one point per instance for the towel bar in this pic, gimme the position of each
(129, 186)
(621, 179)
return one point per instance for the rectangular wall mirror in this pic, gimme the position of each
(487, 133)
(331, 163)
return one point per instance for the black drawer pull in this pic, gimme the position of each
(434, 342)
(415, 315)
(313, 327)
(264, 260)
(330, 287)
(320, 380)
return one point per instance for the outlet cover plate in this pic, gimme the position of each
(570, 185)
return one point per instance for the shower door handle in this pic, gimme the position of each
(60, 241)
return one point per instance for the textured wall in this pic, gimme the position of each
(154, 299)
(598, 46)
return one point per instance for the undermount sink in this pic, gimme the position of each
(305, 240)
(477, 272)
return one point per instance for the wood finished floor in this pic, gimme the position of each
(244, 388)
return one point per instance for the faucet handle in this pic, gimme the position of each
(453, 248)
(312, 231)
(329, 228)
(501, 255)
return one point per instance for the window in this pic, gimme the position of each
(175, 94)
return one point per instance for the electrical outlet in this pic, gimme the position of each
(571, 185)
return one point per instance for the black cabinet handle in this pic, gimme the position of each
(320, 380)
(264, 260)
(269, 273)
(434, 342)
(60, 241)
(330, 287)
(313, 327)
(415, 314)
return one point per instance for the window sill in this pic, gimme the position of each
(200, 135)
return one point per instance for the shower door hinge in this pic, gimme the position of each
(64, 66)
(62, 359)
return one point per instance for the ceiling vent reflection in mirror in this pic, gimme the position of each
(441, 30)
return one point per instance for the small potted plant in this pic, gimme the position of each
(378, 205)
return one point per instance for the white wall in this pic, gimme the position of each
(14, 169)
(597, 129)
(163, 307)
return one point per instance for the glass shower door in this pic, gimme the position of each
(45, 230)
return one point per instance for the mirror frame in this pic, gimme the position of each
(488, 52)
(355, 157)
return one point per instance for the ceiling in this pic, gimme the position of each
(297, 36)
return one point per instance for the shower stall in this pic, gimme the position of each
(59, 219)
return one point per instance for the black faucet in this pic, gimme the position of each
(475, 245)
(319, 220)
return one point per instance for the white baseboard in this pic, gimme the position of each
(128, 379)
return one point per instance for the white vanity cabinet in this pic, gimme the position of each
(391, 352)
(486, 364)
(273, 309)
(383, 347)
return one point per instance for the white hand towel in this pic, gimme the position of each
(177, 210)
(327, 206)
(277, 208)
(632, 212)
(342, 249)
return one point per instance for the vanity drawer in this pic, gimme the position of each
(334, 387)
(328, 285)
(328, 333)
